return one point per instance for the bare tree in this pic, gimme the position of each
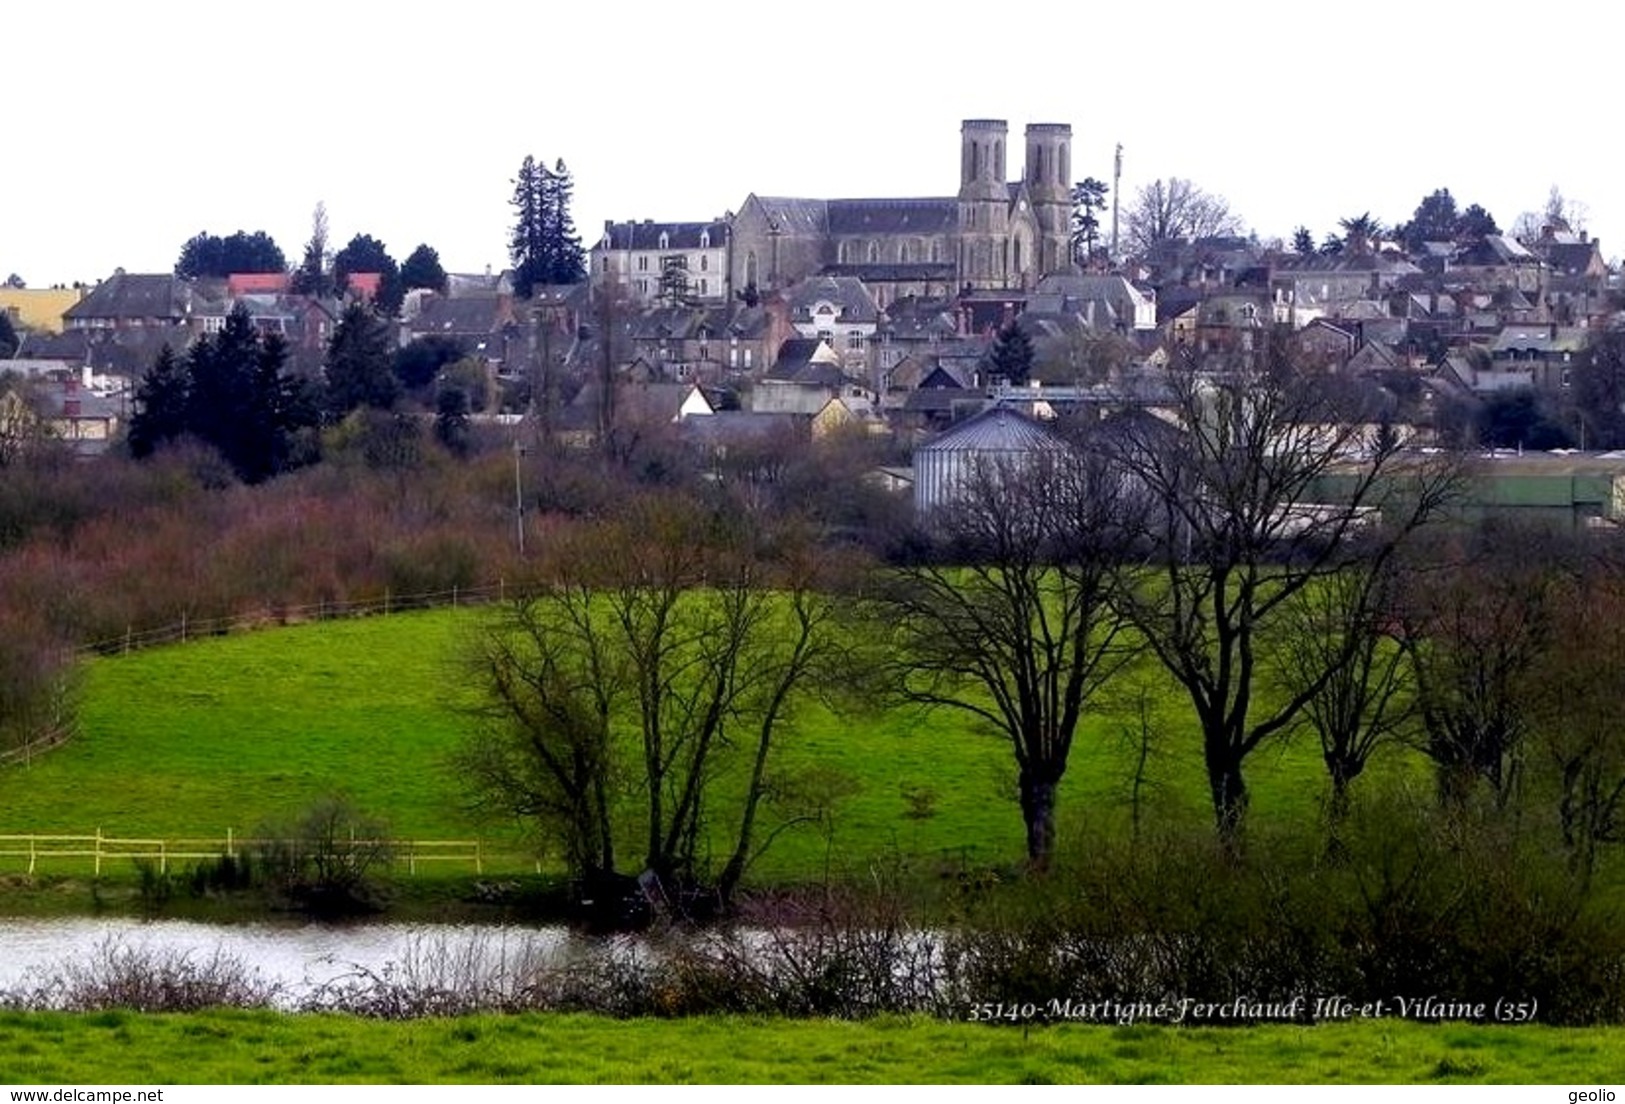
(1344, 651)
(660, 652)
(1015, 625)
(1257, 497)
(1176, 208)
(1477, 616)
(1574, 720)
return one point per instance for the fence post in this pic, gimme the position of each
(231, 852)
(183, 626)
(163, 857)
(386, 601)
(98, 852)
(32, 855)
(454, 597)
(479, 865)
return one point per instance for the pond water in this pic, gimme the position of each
(298, 959)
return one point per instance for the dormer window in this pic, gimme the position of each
(705, 239)
(665, 240)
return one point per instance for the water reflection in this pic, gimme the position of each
(298, 959)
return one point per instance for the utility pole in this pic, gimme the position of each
(1117, 185)
(519, 497)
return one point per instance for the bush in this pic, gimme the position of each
(328, 862)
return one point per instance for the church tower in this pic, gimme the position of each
(984, 203)
(1049, 183)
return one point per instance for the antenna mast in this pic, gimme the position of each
(1117, 181)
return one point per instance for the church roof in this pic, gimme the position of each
(893, 216)
(796, 216)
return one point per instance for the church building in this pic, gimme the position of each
(994, 234)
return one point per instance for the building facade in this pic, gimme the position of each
(993, 233)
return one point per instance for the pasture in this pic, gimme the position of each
(238, 732)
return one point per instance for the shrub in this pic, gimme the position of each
(329, 861)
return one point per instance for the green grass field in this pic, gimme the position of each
(233, 732)
(268, 1048)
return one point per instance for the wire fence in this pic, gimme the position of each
(276, 615)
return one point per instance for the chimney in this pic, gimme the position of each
(71, 403)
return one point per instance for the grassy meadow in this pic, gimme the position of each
(269, 1048)
(244, 730)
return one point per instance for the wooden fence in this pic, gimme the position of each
(100, 849)
(196, 628)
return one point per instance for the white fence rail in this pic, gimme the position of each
(39, 849)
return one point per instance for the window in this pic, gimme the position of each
(705, 287)
(665, 240)
(854, 341)
(747, 359)
(705, 263)
(705, 239)
(643, 263)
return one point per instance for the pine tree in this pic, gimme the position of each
(359, 364)
(567, 261)
(544, 245)
(422, 269)
(161, 401)
(527, 245)
(1011, 355)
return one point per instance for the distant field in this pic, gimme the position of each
(233, 732)
(267, 1048)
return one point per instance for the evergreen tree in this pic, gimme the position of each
(1088, 200)
(567, 261)
(1303, 242)
(527, 244)
(206, 254)
(366, 253)
(544, 245)
(241, 402)
(359, 364)
(161, 400)
(1011, 355)
(451, 420)
(422, 270)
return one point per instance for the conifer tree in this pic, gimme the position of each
(160, 405)
(1011, 355)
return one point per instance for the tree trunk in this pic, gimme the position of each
(1229, 793)
(1038, 811)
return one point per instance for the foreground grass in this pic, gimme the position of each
(270, 1048)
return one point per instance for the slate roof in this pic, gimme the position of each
(913, 272)
(796, 216)
(133, 295)
(469, 314)
(846, 293)
(679, 235)
(1540, 339)
(892, 216)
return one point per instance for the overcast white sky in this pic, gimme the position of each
(130, 127)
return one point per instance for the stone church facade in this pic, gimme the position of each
(994, 234)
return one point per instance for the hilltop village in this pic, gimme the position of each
(903, 316)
